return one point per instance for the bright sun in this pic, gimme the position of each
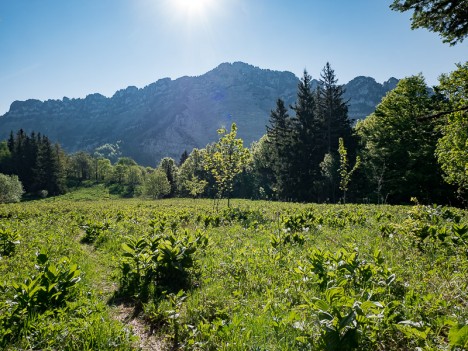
(192, 7)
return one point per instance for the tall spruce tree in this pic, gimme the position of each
(307, 145)
(24, 155)
(49, 172)
(333, 109)
(333, 112)
(279, 137)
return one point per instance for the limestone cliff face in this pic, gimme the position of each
(364, 94)
(169, 116)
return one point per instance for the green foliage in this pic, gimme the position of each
(226, 159)
(333, 110)
(398, 147)
(48, 290)
(351, 310)
(108, 151)
(168, 165)
(307, 147)
(434, 227)
(329, 170)
(452, 147)
(9, 239)
(298, 145)
(93, 230)
(156, 184)
(448, 18)
(458, 336)
(275, 276)
(346, 174)
(80, 166)
(5, 157)
(11, 189)
(285, 237)
(191, 170)
(160, 262)
(38, 163)
(247, 218)
(195, 186)
(272, 155)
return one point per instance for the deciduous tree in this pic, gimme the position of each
(11, 189)
(399, 148)
(452, 147)
(156, 184)
(226, 159)
(449, 18)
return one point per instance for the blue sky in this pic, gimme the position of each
(55, 48)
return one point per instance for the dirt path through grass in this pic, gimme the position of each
(98, 267)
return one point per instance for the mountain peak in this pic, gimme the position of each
(169, 116)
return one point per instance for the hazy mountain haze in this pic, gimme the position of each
(170, 116)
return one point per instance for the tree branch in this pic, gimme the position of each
(441, 114)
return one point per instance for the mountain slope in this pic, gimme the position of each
(169, 116)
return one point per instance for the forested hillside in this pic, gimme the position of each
(412, 146)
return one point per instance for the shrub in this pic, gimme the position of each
(157, 185)
(11, 189)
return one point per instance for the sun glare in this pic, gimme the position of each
(192, 8)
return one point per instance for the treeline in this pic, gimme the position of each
(415, 144)
(37, 162)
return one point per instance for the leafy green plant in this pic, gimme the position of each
(458, 336)
(226, 159)
(351, 311)
(136, 266)
(346, 323)
(161, 261)
(51, 287)
(246, 217)
(435, 226)
(286, 237)
(45, 292)
(93, 229)
(345, 173)
(239, 292)
(9, 239)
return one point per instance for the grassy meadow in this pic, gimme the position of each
(89, 272)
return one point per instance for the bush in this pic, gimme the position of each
(11, 189)
(157, 185)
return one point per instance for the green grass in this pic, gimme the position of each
(256, 285)
(91, 193)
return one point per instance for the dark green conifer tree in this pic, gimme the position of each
(183, 157)
(279, 133)
(37, 163)
(24, 154)
(169, 167)
(49, 172)
(332, 109)
(307, 145)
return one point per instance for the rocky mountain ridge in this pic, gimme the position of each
(170, 116)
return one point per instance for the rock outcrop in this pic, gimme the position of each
(170, 116)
